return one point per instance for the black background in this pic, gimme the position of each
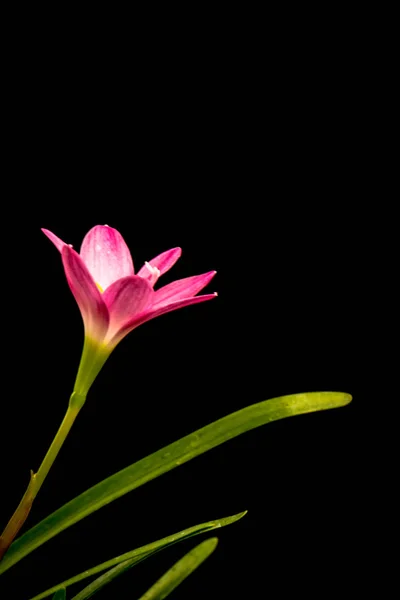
(251, 162)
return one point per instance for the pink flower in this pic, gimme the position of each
(112, 299)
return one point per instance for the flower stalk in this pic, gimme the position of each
(37, 479)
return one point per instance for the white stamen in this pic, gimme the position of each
(154, 272)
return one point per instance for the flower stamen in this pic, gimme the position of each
(154, 273)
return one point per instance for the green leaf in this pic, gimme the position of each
(182, 569)
(168, 582)
(164, 460)
(103, 580)
(136, 556)
(60, 595)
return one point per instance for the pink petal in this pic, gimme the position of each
(182, 288)
(93, 309)
(163, 262)
(59, 244)
(147, 315)
(124, 299)
(106, 255)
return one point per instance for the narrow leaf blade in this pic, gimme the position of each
(103, 580)
(166, 584)
(139, 554)
(182, 569)
(168, 458)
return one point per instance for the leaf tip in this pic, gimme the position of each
(348, 398)
(209, 544)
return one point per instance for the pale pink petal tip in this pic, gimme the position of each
(59, 244)
(106, 255)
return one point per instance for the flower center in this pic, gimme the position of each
(100, 288)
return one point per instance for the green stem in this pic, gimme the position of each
(21, 514)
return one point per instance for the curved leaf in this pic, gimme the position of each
(182, 569)
(103, 580)
(164, 586)
(164, 460)
(135, 556)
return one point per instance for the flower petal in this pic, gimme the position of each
(182, 288)
(147, 315)
(124, 299)
(106, 255)
(163, 262)
(59, 244)
(93, 309)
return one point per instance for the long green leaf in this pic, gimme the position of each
(164, 460)
(135, 556)
(166, 584)
(103, 580)
(60, 595)
(182, 569)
